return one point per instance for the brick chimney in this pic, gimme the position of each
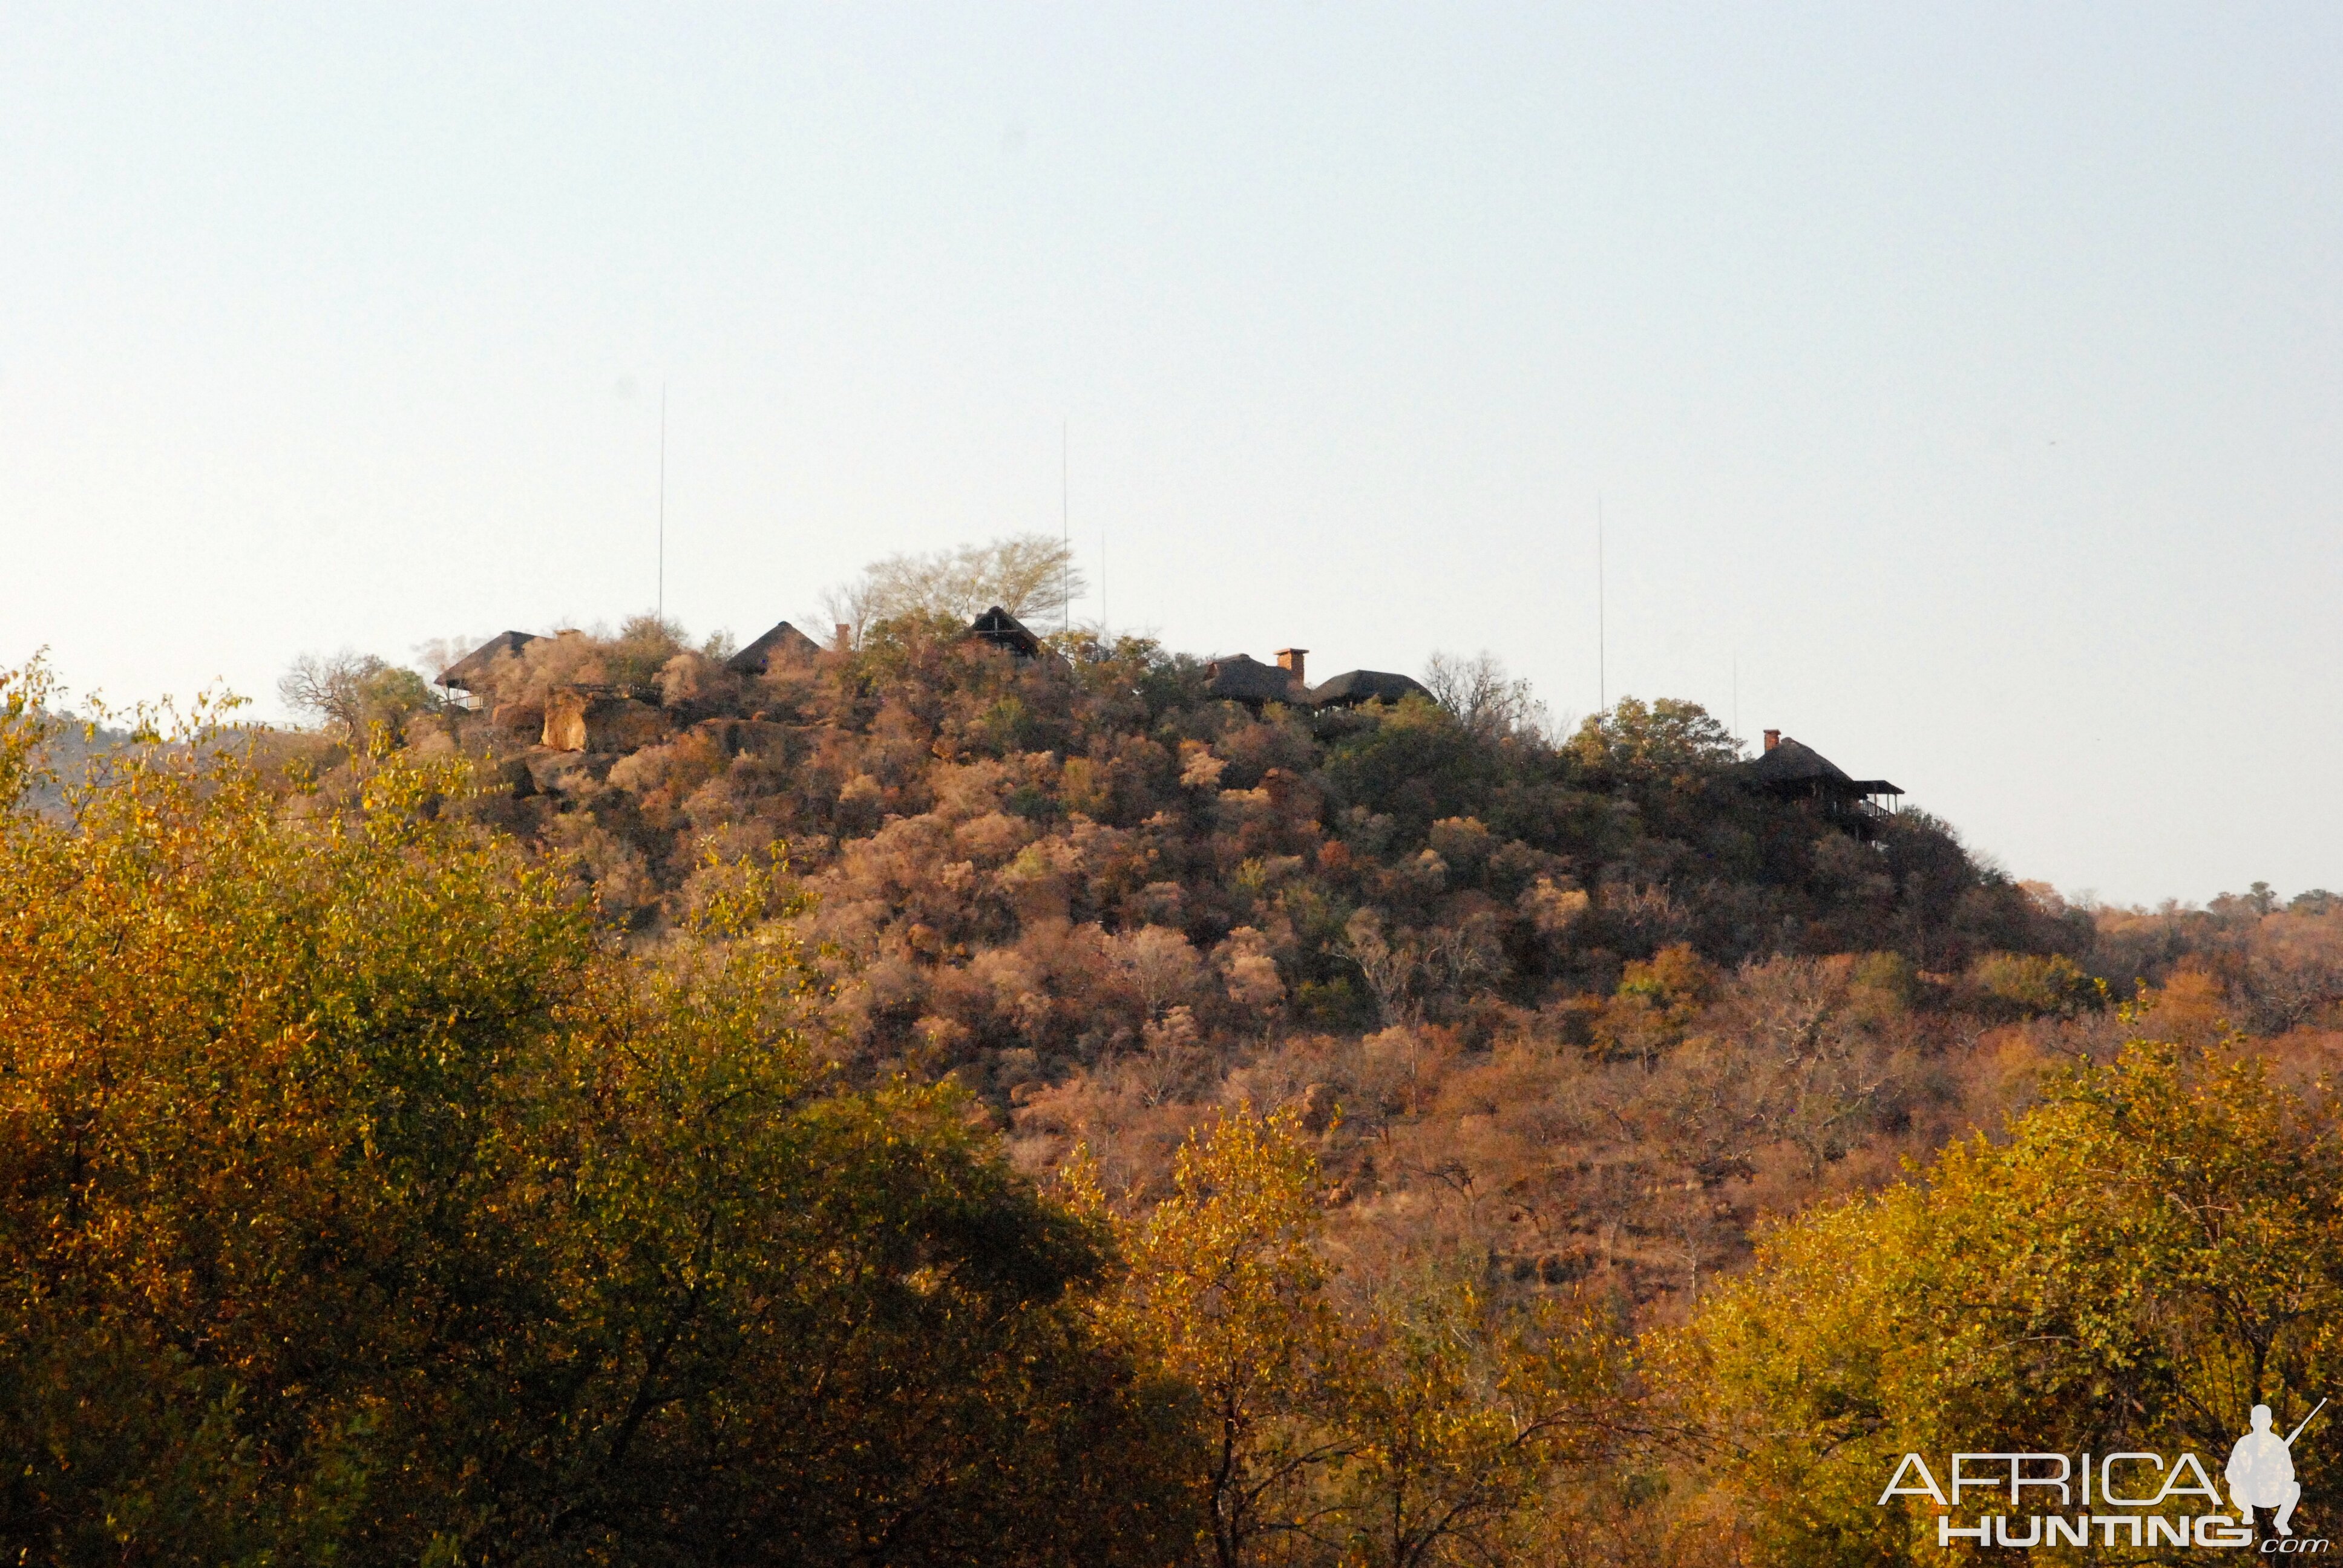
(845, 637)
(1289, 659)
(1773, 739)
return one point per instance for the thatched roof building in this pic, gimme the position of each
(1790, 770)
(1353, 687)
(783, 644)
(462, 674)
(1240, 678)
(1003, 630)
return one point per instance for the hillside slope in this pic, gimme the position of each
(1584, 1007)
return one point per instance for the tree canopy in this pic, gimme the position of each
(924, 1102)
(364, 1202)
(1031, 575)
(2155, 1249)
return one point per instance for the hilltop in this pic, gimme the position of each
(1103, 898)
(1591, 1004)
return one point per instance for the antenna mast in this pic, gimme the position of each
(1602, 623)
(1066, 522)
(662, 507)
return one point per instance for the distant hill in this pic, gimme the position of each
(1647, 988)
(72, 746)
(1104, 899)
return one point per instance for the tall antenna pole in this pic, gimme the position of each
(662, 507)
(1066, 520)
(1602, 621)
(1736, 700)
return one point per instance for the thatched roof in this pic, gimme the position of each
(1353, 687)
(1239, 678)
(1792, 766)
(1001, 629)
(784, 642)
(1793, 762)
(460, 675)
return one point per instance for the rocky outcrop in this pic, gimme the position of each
(583, 720)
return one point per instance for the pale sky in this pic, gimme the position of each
(1968, 375)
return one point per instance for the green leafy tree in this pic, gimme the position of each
(1668, 736)
(1418, 763)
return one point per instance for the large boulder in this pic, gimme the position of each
(580, 720)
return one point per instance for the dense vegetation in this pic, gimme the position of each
(922, 1106)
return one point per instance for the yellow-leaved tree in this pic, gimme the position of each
(1464, 1419)
(1226, 1291)
(362, 1200)
(1425, 1424)
(2155, 1249)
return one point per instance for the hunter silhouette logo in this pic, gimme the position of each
(2261, 1470)
(2129, 1499)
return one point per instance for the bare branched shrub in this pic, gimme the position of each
(348, 693)
(1484, 698)
(1030, 575)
